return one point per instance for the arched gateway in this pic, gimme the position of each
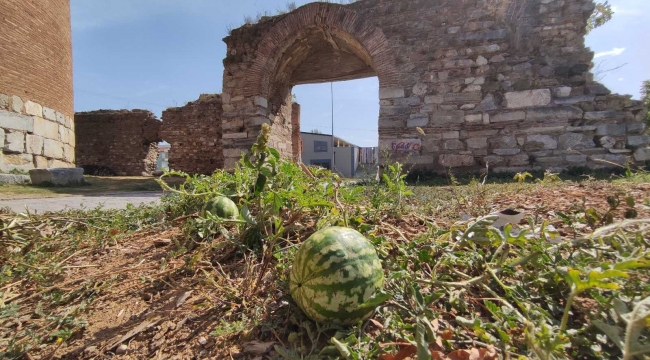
(462, 83)
(319, 42)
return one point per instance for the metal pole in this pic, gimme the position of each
(333, 153)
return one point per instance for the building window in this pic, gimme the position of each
(324, 163)
(320, 146)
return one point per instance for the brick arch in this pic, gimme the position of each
(337, 18)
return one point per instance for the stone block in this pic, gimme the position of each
(58, 164)
(454, 144)
(261, 101)
(447, 117)
(60, 118)
(4, 101)
(575, 141)
(15, 142)
(508, 116)
(34, 144)
(600, 115)
(34, 109)
(52, 149)
(71, 138)
(63, 134)
(576, 159)
(638, 141)
(391, 93)
(239, 135)
(46, 128)
(476, 143)
(597, 89)
(12, 121)
(69, 122)
(233, 153)
(68, 153)
(57, 176)
(418, 120)
(607, 142)
(40, 162)
(636, 128)
(642, 154)
(528, 98)
(16, 104)
(494, 160)
(49, 114)
(611, 129)
(581, 128)
(544, 129)
(434, 99)
(481, 61)
(519, 160)
(506, 152)
(574, 99)
(503, 142)
(604, 159)
(561, 113)
(474, 118)
(420, 89)
(2, 139)
(540, 142)
(9, 162)
(562, 92)
(453, 160)
(451, 135)
(549, 161)
(14, 179)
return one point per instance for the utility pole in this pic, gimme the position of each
(333, 153)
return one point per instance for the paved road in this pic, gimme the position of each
(109, 201)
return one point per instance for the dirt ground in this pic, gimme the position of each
(94, 185)
(148, 307)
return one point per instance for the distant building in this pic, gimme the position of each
(344, 158)
(163, 157)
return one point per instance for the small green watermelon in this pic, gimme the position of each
(334, 273)
(222, 207)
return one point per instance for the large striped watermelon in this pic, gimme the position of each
(223, 207)
(336, 271)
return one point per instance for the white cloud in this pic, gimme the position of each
(620, 79)
(613, 52)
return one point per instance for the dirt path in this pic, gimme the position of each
(108, 201)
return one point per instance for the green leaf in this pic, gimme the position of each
(259, 184)
(286, 353)
(246, 214)
(342, 348)
(632, 264)
(421, 339)
(630, 201)
(375, 301)
(275, 153)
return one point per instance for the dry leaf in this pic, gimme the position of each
(377, 323)
(447, 334)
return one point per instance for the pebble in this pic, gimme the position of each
(121, 349)
(203, 341)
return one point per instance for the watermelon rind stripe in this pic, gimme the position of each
(336, 271)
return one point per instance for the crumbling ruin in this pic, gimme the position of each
(504, 82)
(117, 142)
(462, 84)
(194, 133)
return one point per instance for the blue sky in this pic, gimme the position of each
(155, 54)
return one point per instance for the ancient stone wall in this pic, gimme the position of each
(122, 142)
(36, 99)
(296, 141)
(462, 83)
(194, 133)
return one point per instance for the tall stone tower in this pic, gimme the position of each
(36, 96)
